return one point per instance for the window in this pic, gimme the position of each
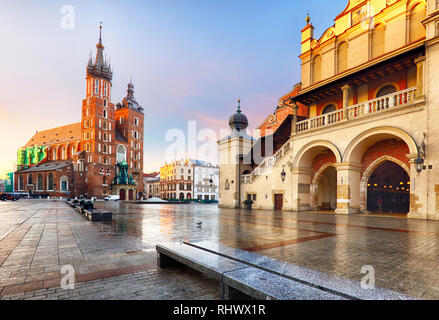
(105, 92)
(317, 69)
(97, 86)
(50, 182)
(105, 113)
(29, 179)
(136, 121)
(386, 91)
(227, 185)
(64, 182)
(105, 125)
(120, 154)
(40, 182)
(20, 183)
(105, 136)
(342, 57)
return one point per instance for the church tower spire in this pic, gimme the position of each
(100, 69)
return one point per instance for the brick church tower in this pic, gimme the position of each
(102, 155)
(97, 126)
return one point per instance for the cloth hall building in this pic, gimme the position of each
(101, 155)
(359, 132)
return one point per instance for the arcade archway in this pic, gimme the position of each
(327, 190)
(388, 189)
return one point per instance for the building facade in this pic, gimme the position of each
(358, 133)
(206, 181)
(176, 180)
(101, 155)
(151, 182)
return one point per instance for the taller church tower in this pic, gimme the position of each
(98, 125)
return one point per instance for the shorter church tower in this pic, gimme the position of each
(232, 150)
(129, 118)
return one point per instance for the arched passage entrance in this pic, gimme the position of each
(316, 176)
(388, 189)
(131, 194)
(326, 192)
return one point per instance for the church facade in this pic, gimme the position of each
(358, 133)
(102, 155)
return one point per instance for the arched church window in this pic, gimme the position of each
(121, 154)
(20, 183)
(384, 91)
(329, 108)
(105, 113)
(29, 179)
(40, 182)
(50, 182)
(104, 124)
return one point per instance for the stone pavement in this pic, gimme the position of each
(117, 260)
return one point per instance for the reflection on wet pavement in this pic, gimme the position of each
(35, 234)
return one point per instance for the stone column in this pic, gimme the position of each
(348, 188)
(420, 67)
(346, 91)
(301, 183)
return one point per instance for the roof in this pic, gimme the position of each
(48, 166)
(120, 137)
(68, 133)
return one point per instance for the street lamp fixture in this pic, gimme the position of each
(419, 161)
(283, 174)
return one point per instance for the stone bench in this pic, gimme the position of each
(238, 280)
(92, 215)
(328, 282)
(96, 215)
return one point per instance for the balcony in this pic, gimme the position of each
(364, 109)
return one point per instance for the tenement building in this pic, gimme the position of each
(359, 132)
(176, 180)
(206, 181)
(151, 185)
(99, 156)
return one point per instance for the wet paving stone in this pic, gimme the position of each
(117, 260)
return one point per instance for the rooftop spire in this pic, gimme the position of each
(100, 47)
(239, 106)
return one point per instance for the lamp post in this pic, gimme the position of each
(283, 174)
